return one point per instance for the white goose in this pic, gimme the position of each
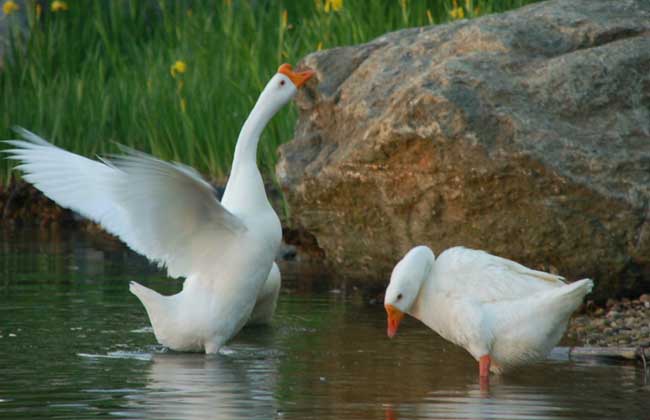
(504, 314)
(168, 213)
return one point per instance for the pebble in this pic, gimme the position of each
(600, 323)
(621, 323)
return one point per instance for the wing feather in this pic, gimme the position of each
(487, 278)
(165, 211)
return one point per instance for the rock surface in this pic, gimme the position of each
(526, 134)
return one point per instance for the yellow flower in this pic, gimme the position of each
(457, 12)
(333, 5)
(179, 67)
(9, 7)
(59, 6)
(319, 46)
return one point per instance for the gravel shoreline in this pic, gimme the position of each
(621, 323)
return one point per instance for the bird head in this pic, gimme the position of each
(405, 283)
(283, 86)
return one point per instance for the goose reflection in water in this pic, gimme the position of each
(195, 386)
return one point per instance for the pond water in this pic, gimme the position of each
(74, 343)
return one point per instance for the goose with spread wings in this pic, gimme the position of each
(169, 213)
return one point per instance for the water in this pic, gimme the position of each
(75, 344)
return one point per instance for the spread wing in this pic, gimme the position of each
(487, 278)
(164, 211)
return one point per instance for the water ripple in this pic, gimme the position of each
(73, 346)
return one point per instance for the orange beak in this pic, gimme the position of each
(298, 78)
(394, 318)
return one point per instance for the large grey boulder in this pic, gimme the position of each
(526, 134)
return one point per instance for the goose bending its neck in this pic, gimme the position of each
(504, 314)
(169, 213)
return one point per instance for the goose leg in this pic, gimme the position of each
(484, 366)
(484, 373)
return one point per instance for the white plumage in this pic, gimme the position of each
(489, 305)
(169, 213)
(267, 299)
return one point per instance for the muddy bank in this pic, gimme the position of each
(22, 204)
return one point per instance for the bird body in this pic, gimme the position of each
(210, 309)
(488, 305)
(267, 299)
(169, 213)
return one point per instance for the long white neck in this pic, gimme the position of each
(424, 300)
(245, 186)
(411, 276)
(249, 136)
(446, 314)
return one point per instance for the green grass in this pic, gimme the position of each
(100, 72)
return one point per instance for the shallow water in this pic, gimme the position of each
(75, 344)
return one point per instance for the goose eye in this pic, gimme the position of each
(399, 296)
(281, 82)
